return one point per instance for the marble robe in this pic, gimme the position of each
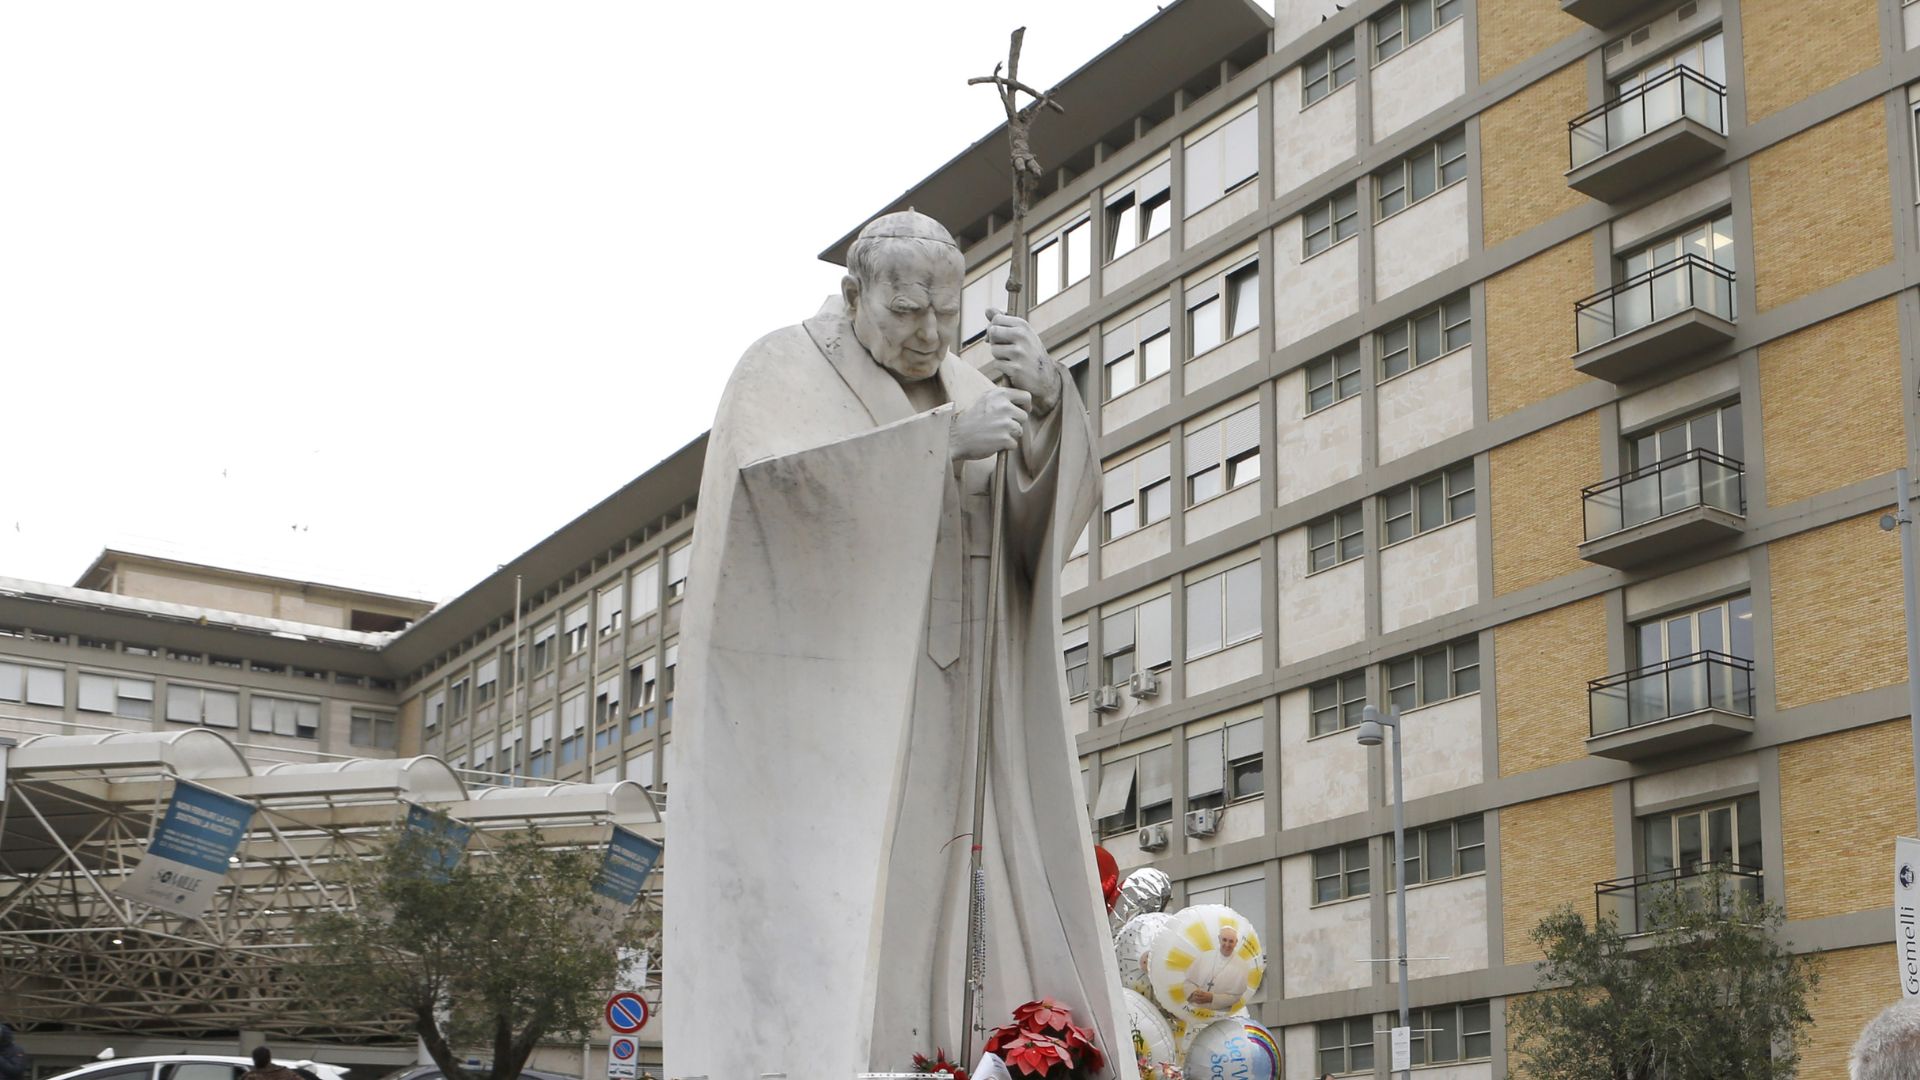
(817, 883)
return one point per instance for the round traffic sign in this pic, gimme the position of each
(627, 1012)
(623, 1048)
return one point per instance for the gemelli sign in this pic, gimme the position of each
(1906, 913)
(186, 861)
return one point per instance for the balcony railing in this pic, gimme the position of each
(1674, 95)
(1631, 901)
(1697, 682)
(1686, 283)
(1698, 477)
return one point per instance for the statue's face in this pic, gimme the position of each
(908, 316)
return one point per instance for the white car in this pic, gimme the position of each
(190, 1067)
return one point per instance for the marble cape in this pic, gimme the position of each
(816, 890)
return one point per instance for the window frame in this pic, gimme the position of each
(1132, 650)
(1421, 1019)
(1152, 192)
(1085, 647)
(1335, 220)
(1466, 842)
(1350, 1029)
(1347, 524)
(1451, 496)
(1432, 157)
(1409, 327)
(1063, 238)
(1226, 461)
(1439, 14)
(1461, 658)
(1345, 872)
(1136, 340)
(1330, 71)
(1141, 493)
(1221, 585)
(1349, 697)
(1332, 363)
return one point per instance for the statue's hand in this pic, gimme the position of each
(989, 425)
(1020, 361)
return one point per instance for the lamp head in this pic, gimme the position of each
(1370, 732)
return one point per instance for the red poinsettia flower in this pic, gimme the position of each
(1045, 1014)
(938, 1065)
(1034, 1054)
(1085, 1053)
(998, 1038)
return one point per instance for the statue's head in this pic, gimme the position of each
(902, 289)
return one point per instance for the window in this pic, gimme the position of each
(1135, 791)
(1138, 493)
(1074, 644)
(197, 705)
(1326, 71)
(1340, 872)
(1448, 849)
(1328, 223)
(1222, 309)
(573, 722)
(376, 730)
(1434, 675)
(1425, 336)
(486, 681)
(1224, 765)
(1689, 841)
(434, 712)
(1438, 164)
(612, 605)
(574, 631)
(989, 290)
(1335, 539)
(606, 700)
(1223, 610)
(1138, 352)
(640, 768)
(1080, 370)
(22, 684)
(1400, 25)
(1345, 1046)
(1336, 703)
(1443, 1033)
(643, 692)
(1427, 504)
(1660, 294)
(284, 716)
(540, 764)
(1062, 259)
(1222, 161)
(1716, 430)
(543, 645)
(131, 698)
(677, 562)
(197, 1070)
(1137, 639)
(1334, 377)
(1140, 211)
(1724, 627)
(457, 698)
(1223, 455)
(646, 590)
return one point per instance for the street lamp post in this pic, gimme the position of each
(1372, 720)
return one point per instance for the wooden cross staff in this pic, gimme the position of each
(1026, 181)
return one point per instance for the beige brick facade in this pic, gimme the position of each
(1513, 30)
(1530, 328)
(1838, 627)
(1535, 501)
(1551, 853)
(1542, 664)
(1523, 159)
(1855, 984)
(1822, 432)
(1802, 245)
(1838, 848)
(1796, 49)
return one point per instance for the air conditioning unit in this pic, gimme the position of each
(1153, 838)
(1106, 699)
(1204, 821)
(1143, 684)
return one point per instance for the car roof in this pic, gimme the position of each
(201, 1059)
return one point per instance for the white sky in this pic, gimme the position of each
(384, 293)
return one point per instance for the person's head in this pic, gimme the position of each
(1229, 940)
(1889, 1046)
(262, 1057)
(902, 288)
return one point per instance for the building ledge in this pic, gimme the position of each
(1673, 733)
(1639, 352)
(1681, 531)
(1648, 160)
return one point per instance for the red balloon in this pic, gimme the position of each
(1109, 875)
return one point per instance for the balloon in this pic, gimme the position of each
(1131, 946)
(1205, 963)
(1146, 889)
(1109, 875)
(1233, 1049)
(1152, 1038)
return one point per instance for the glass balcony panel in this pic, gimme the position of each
(1679, 486)
(1640, 500)
(1610, 710)
(1687, 690)
(1588, 139)
(1594, 324)
(1605, 514)
(1633, 307)
(1646, 699)
(1660, 102)
(1670, 688)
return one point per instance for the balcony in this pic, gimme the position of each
(1688, 701)
(1654, 318)
(1664, 509)
(1630, 901)
(1601, 13)
(1659, 129)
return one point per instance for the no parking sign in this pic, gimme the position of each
(627, 1012)
(623, 1057)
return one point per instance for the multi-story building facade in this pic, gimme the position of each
(1483, 357)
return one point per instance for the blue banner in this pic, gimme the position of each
(186, 862)
(446, 840)
(630, 859)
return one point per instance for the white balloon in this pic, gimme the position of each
(1192, 978)
(1151, 1035)
(1132, 944)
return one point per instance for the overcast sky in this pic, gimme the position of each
(384, 293)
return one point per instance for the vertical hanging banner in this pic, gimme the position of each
(630, 859)
(5, 745)
(1906, 914)
(186, 861)
(445, 840)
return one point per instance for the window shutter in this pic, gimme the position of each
(1243, 740)
(222, 709)
(577, 618)
(1155, 183)
(489, 672)
(183, 704)
(11, 679)
(46, 686)
(1156, 632)
(542, 726)
(1203, 449)
(1154, 465)
(97, 693)
(1155, 322)
(1206, 769)
(1241, 431)
(1156, 776)
(1203, 617)
(1117, 487)
(1116, 784)
(1203, 292)
(1243, 603)
(1116, 632)
(1242, 135)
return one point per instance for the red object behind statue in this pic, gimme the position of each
(1109, 875)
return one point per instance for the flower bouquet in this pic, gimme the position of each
(1044, 1042)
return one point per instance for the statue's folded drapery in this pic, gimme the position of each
(816, 882)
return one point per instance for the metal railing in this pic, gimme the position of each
(1629, 901)
(1676, 94)
(1685, 684)
(1651, 295)
(1698, 477)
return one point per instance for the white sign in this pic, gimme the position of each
(186, 861)
(1906, 913)
(623, 1058)
(1402, 1049)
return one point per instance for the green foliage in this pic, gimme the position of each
(1709, 992)
(497, 952)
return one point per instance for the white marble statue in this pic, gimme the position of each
(817, 892)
